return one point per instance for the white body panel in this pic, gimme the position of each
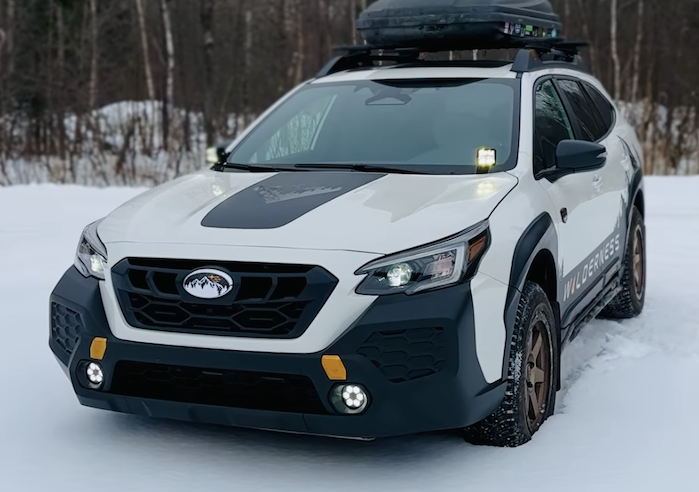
(340, 311)
(394, 213)
(488, 305)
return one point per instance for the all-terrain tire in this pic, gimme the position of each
(511, 425)
(630, 301)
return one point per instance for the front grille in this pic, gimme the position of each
(407, 355)
(268, 301)
(224, 388)
(66, 327)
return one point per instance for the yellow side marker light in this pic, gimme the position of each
(98, 348)
(334, 368)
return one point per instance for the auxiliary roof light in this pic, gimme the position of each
(486, 158)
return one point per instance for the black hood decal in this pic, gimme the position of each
(283, 198)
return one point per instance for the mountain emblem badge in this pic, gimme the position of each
(208, 284)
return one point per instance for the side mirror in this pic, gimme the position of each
(578, 156)
(575, 156)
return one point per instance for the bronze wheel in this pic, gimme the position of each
(538, 375)
(530, 396)
(639, 274)
(630, 301)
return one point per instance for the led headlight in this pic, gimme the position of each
(433, 266)
(91, 257)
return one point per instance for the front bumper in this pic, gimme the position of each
(416, 356)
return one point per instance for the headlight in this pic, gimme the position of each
(437, 265)
(91, 257)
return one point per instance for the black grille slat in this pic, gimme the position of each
(269, 301)
(255, 288)
(225, 388)
(407, 355)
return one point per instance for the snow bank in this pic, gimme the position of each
(626, 420)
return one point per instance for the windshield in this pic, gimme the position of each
(435, 127)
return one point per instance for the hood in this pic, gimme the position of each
(373, 213)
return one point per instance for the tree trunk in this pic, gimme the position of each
(247, 66)
(637, 53)
(207, 23)
(168, 104)
(353, 20)
(614, 5)
(10, 37)
(150, 86)
(94, 50)
(583, 7)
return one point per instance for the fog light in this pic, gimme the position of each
(350, 399)
(95, 374)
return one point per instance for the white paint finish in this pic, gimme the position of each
(583, 232)
(489, 296)
(511, 219)
(394, 213)
(342, 309)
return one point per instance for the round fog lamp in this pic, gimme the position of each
(95, 374)
(399, 275)
(350, 399)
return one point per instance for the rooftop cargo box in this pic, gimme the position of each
(443, 25)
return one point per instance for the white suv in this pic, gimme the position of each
(390, 249)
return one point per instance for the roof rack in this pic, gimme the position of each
(534, 55)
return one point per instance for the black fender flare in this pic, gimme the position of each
(540, 235)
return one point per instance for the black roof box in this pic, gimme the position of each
(445, 25)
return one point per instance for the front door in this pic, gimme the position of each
(581, 218)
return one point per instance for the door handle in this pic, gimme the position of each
(597, 183)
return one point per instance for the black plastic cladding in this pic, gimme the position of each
(540, 235)
(455, 397)
(66, 327)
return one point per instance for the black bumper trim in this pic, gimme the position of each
(455, 397)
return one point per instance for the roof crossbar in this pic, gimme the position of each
(536, 54)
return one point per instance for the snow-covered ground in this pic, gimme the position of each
(627, 420)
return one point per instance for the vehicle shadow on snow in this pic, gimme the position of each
(261, 443)
(421, 451)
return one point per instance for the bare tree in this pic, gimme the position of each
(636, 71)
(215, 65)
(207, 22)
(614, 6)
(170, 73)
(94, 49)
(150, 86)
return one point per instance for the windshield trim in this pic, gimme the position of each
(425, 169)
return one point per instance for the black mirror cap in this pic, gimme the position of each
(580, 156)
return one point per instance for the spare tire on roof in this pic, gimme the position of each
(440, 25)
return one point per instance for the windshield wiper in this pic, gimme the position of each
(363, 168)
(258, 169)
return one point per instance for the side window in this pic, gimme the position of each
(605, 108)
(551, 126)
(590, 125)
